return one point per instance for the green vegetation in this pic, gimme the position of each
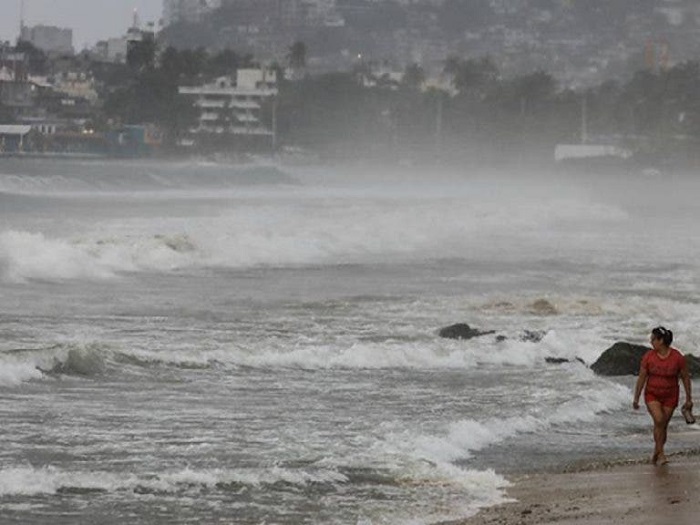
(477, 114)
(491, 118)
(145, 90)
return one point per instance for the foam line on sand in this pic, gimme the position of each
(632, 491)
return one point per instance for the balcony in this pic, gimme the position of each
(210, 104)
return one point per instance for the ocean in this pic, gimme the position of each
(191, 342)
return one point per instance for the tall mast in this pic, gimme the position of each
(21, 19)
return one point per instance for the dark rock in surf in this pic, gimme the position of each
(625, 358)
(528, 336)
(562, 360)
(532, 336)
(693, 364)
(462, 331)
(543, 307)
(556, 360)
(620, 359)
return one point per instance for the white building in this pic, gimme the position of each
(76, 85)
(573, 152)
(49, 38)
(187, 10)
(234, 107)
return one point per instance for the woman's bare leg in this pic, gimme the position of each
(661, 416)
(668, 413)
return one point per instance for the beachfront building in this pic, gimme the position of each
(14, 65)
(231, 108)
(13, 138)
(19, 98)
(77, 85)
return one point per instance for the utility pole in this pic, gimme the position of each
(584, 120)
(274, 124)
(438, 125)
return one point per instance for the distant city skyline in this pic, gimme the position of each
(90, 20)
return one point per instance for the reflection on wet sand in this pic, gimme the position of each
(635, 492)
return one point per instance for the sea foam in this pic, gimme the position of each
(465, 490)
(461, 439)
(25, 255)
(28, 256)
(296, 229)
(13, 374)
(80, 359)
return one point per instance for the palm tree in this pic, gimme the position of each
(413, 76)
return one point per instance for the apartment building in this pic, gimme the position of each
(233, 107)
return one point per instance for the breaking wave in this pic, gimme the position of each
(21, 365)
(13, 374)
(426, 351)
(32, 256)
(299, 231)
(461, 439)
(472, 489)
(50, 480)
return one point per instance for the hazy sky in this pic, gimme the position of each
(91, 20)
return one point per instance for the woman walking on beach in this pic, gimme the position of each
(658, 375)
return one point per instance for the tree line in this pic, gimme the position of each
(656, 114)
(486, 116)
(479, 115)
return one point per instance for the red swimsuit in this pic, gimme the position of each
(662, 382)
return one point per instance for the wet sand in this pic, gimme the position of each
(632, 491)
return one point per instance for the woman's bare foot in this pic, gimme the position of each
(663, 460)
(655, 458)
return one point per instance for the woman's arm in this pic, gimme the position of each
(685, 377)
(641, 381)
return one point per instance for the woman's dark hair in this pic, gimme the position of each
(665, 335)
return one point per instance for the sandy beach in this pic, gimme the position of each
(625, 491)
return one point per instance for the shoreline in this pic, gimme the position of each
(628, 490)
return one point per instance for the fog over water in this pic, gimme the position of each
(201, 343)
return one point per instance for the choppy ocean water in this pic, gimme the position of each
(197, 343)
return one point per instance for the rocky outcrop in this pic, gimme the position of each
(693, 364)
(462, 331)
(620, 359)
(625, 358)
(542, 307)
(532, 336)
